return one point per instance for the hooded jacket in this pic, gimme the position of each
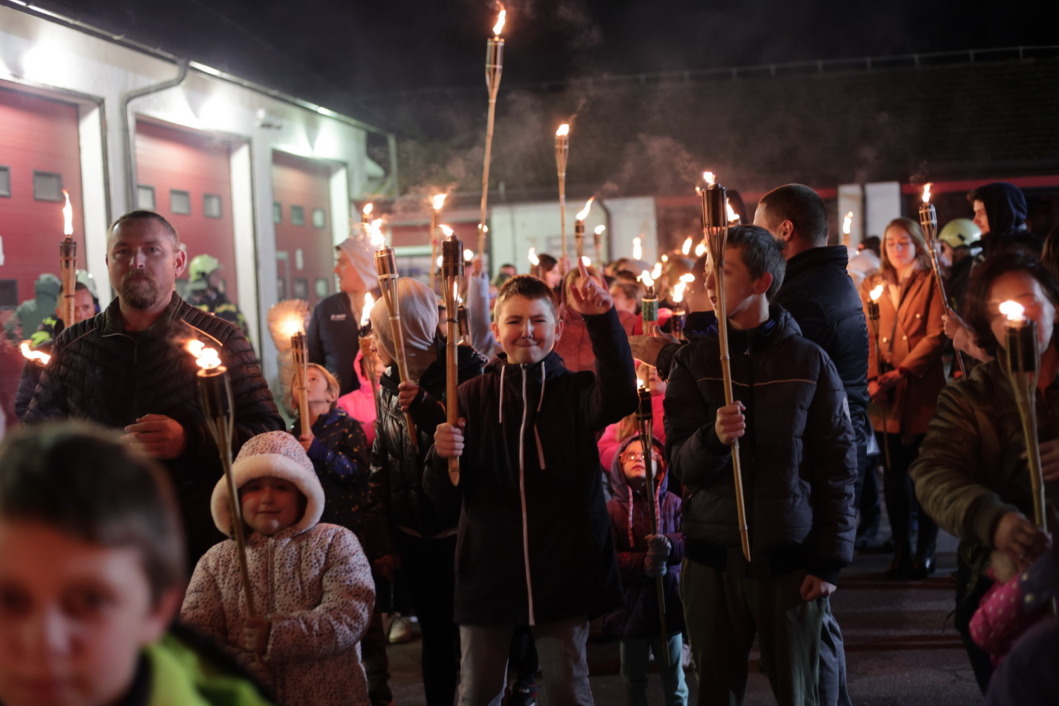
(798, 454)
(534, 543)
(332, 339)
(103, 373)
(396, 496)
(1006, 210)
(630, 523)
(312, 581)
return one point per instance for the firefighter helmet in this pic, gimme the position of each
(960, 232)
(202, 266)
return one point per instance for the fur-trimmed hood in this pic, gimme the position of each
(279, 455)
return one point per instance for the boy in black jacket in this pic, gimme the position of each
(798, 467)
(534, 545)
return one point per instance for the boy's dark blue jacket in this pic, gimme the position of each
(534, 542)
(798, 454)
(639, 617)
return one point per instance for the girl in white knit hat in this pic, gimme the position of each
(311, 583)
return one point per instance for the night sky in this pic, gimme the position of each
(363, 48)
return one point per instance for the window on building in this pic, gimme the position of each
(301, 288)
(145, 197)
(297, 215)
(180, 202)
(277, 212)
(211, 205)
(5, 181)
(319, 218)
(47, 186)
(9, 294)
(281, 288)
(322, 287)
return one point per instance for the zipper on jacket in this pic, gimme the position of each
(522, 498)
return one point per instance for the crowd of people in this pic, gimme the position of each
(137, 567)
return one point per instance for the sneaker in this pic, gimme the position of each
(400, 630)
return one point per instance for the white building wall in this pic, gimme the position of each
(64, 63)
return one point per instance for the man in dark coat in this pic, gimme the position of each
(819, 294)
(126, 368)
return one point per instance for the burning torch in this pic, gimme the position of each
(597, 236)
(68, 264)
(579, 229)
(437, 202)
(494, 66)
(715, 232)
(367, 356)
(452, 272)
(649, 304)
(386, 266)
(680, 314)
(299, 349)
(215, 393)
(847, 228)
(1022, 368)
(873, 316)
(535, 263)
(562, 153)
(645, 421)
(928, 219)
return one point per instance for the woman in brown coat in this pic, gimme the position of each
(905, 376)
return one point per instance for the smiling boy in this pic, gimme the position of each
(798, 466)
(534, 544)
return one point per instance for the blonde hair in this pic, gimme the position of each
(329, 378)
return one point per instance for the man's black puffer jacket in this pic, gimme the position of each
(102, 373)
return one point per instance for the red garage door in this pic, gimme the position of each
(301, 210)
(39, 157)
(186, 177)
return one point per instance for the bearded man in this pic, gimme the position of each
(126, 368)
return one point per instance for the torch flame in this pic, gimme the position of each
(446, 230)
(876, 293)
(468, 254)
(586, 261)
(1012, 310)
(686, 247)
(289, 327)
(68, 215)
(533, 259)
(678, 292)
(926, 192)
(600, 230)
(637, 249)
(700, 249)
(646, 278)
(733, 217)
(365, 315)
(440, 260)
(500, 18)
(375, 236)
(563, 130)
(438, 201)
(657, 271)
(847, 223)
(29, 354)
(583, 213)
(206, 358)
(368, 208)
(710, 178)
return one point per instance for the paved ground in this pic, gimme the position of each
(900, 644)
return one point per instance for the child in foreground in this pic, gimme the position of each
(91, 572)
(311, 582)
(798, 466)
(534, 541)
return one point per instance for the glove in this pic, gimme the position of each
(658, 548)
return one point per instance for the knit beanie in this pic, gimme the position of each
(357, 248)
(276, 454)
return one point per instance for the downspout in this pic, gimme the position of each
(129, 134)
(394, 189)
